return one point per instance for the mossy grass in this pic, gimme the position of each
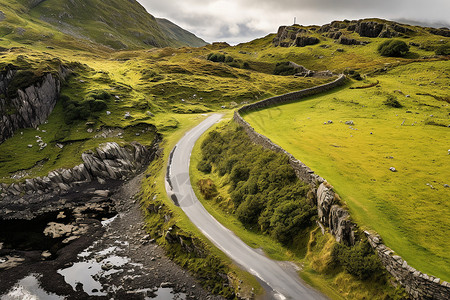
(405, 207)
(311, 252)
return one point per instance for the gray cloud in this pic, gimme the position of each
(237, 21)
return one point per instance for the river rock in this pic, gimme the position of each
(57, 230)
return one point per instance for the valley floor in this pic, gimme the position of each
(121, 257)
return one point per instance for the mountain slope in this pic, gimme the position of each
(117, 24)
(177, 33)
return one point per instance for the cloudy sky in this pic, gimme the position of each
(236, 21)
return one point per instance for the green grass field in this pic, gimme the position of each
(408, 208)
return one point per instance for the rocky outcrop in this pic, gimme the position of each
(333, 216)
(109, 161)
(365, 28)
(289, 36)
(302, 41)
(349, 41)
(30, 106)
(440, 31)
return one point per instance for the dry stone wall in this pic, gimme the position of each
(336, 218)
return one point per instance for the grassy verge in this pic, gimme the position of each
(310, 250)
(405, 207)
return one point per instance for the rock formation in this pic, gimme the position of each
(288, 36)
(365, 28)
(29, 107)
(440, 31)
(109, 161)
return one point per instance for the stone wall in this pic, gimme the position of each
(417, 284)
(336, 218)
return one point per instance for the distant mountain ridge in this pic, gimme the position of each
(117, 24)
(177, 33)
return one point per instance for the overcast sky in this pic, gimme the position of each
(236, 21)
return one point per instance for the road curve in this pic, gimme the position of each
(179, 189)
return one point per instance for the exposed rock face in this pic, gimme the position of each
(31, 107)
(288, 36)
(364, 28)
(349, 41)
(333, 216)
(441, 31)
(369, 29)
(302, 41)
(108, 161)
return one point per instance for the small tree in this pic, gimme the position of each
(395, 48)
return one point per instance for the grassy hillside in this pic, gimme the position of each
(115, 24)
(409, 207)
(158, 88)
(177, 33)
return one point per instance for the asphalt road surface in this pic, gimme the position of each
(283, 284)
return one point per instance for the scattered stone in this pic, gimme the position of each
(330, 122)
(107, 267)
(46, 255)
(30, 146)
(102, 193)
(127, 115)
(61, 215)
(57, 230)
(446, 185)
(392, 169)
(59, 145)
(431, 186)
(167, 285)
(108, 112)
(349, 123)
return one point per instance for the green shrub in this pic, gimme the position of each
(216, 57)
(443, 49)
(392, 102)
(98, 105)
(353, 74)
(264, 190)
(395, 48)
(204, 166)
(207, 188)
(229, 59)
(359, 260)
(21, 80)
(284, 68)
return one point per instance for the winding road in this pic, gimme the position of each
(283, 284)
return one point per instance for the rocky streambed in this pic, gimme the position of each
(86, 240)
